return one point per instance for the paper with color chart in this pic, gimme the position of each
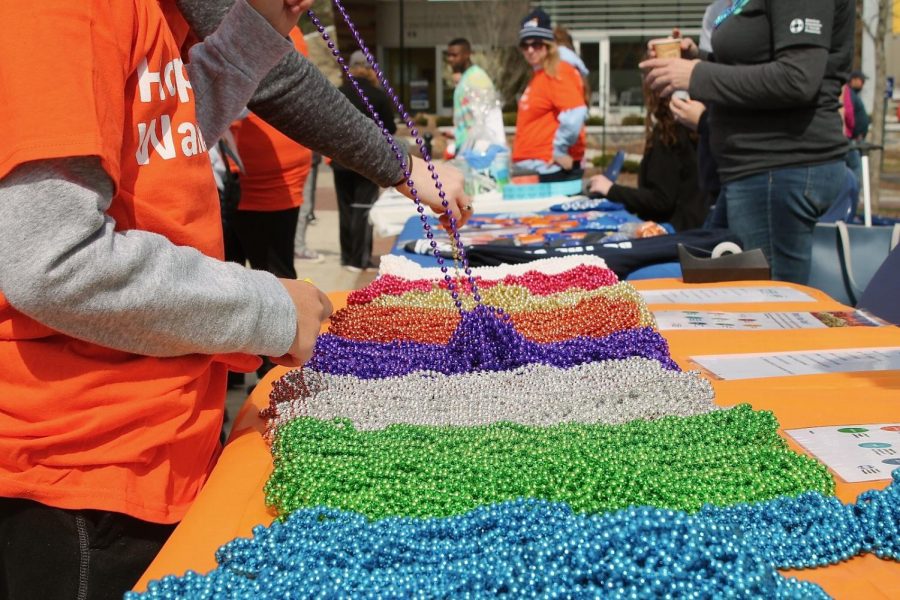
(725, 295)
(812, 362)
(855, 452)
(668, 320)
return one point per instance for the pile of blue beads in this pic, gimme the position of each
(537, 548)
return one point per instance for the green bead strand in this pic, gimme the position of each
(722, 458)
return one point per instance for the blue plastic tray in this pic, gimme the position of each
(530, 191)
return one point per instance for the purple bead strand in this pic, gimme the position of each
(482, 342)
(454, 230)
(390, 139)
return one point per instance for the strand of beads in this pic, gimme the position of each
(538, 548)
(482, 342)
(797, 533)
(596, 316)
(722, 457)
(585, 277)
(458, 248)
(612, 392)
(394, 323)
(516, 298)
(812, 530)
(525, 548)
(405, 268)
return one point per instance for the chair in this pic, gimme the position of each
(844, 208)
(880, 296)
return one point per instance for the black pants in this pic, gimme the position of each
(52, 553)
(234, 250)
(267, 239)
(355, 196)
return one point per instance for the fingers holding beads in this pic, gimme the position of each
(440, 187)
(313, 309)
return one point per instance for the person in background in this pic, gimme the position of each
(473, 80)
(695, 116)
(858, 127)
(861, 116)
(307, 215)
(226, 166)
(773, 88)
(355, 193)
(668, 189)
(848, 116)
(566, 46)
(298, 100)
(550, 122)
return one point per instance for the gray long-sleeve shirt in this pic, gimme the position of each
(64, 265)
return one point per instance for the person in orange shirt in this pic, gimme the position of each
(118, 318)
(115, 331)
(272, 180)
(550, 122)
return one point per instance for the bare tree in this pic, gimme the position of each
(876, 29)
(494, 26)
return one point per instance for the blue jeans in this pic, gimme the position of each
(777, 211)
(854, 161)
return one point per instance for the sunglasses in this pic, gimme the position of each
(533, 44)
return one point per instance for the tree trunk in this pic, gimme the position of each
(495, 27)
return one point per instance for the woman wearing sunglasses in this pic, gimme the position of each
(550, 123)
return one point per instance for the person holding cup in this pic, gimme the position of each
(772, 86)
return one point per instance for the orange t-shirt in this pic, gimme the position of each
(275, 166)
(540, 105)
(83, 426)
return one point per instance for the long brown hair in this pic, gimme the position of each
(660, 122)
(551, 61)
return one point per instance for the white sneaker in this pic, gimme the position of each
(307, 255)
(353, 269)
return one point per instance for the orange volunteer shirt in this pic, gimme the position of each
(540, 105)
(275, 166)
(83, 426)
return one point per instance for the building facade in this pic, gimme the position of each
(410, 37)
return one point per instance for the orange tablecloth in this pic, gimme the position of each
(231, 503)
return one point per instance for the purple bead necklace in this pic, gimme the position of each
(459, 254)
